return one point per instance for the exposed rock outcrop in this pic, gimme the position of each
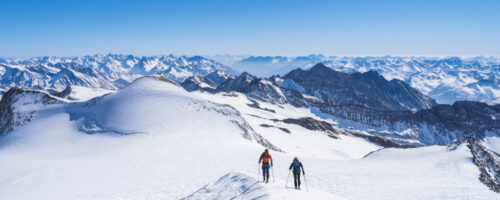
(18, 107)
(486, 160)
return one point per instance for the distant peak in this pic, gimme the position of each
(218, 73)
(246, 74)
(320, 67)
(371, 73)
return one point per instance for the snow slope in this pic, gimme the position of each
(154, 140)
(493, 143)
(236, 185)
(175, 132)
(299, 139)
(422, 173)
(80, 93)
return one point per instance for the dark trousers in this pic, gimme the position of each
(296, 179)
(265, 171)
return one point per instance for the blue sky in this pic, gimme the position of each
(74, 28)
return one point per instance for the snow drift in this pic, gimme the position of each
(239, 186)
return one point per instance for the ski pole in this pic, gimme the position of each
(305, 181)
(272, 169)
(286, 185)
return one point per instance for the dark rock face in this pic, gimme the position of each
(368, 89)
(386, 142)
(258, 88)
(63, 94)
(441, 124)
(199, 83)
(218, 77)
(239, 83)
(294, 97)
(280, 128)
(207, 83)
(256, 104)
(313, 124)
(486, 160)
(469, 117)
(13, 104)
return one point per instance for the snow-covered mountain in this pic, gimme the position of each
(445, 79)
(207, 83)
(155, 140)
(389, 113)
(368, 89)
(110, 71)
(114, 127)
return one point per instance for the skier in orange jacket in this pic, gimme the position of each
(267, 162)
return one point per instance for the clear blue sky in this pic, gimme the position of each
(74, 28)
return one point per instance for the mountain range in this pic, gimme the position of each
(446, 80)
(171, 138)
(364, 104)
(110, 71)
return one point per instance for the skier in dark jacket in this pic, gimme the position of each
(266, 159)
(296, 166)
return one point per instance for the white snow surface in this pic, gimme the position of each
(84, 93)
(237, 185)
(492, 142)
(160, 142)
(300, 138)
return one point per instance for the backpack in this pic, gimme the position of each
(296, 166)
(265, 158)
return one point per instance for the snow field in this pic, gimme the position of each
(181, 142)
(84, 93)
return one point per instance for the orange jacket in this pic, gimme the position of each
(265, 158)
